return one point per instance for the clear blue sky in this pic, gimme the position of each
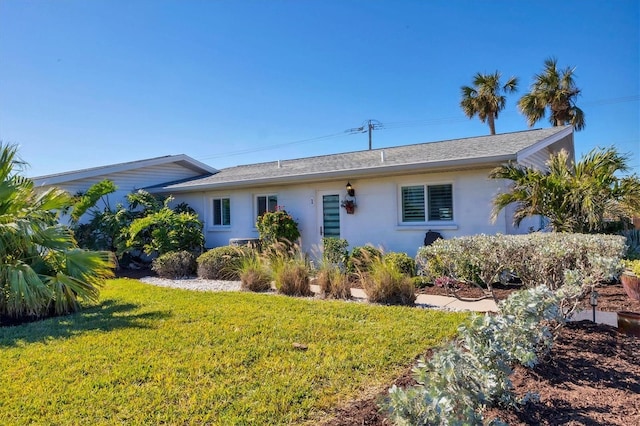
(88, 83)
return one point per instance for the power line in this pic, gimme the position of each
(369, 125)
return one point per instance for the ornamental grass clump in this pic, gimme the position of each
(290, 271)
(333, 282)
(174, 265)
(254, 274)
(383, 282)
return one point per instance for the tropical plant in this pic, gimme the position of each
(574, 197)
(87, 200)
(554, 89)
(277, 226)
(164, 231)
(334, 250)
(485, 98)
(42, 270)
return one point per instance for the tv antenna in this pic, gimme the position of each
(367, 126)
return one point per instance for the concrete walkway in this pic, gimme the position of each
(485, 305)
(433, 301)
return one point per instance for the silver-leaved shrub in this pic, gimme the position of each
(467, 375)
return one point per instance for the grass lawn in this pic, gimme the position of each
(152, 355)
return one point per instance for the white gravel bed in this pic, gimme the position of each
(196, 284)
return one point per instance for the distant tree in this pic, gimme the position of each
(42, 270)
(580, 197)
(485, 98)
(554, 89)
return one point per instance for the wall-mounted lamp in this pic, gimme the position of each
(350, 191)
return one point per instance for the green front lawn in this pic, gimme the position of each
(152, 355)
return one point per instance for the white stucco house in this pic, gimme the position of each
(400, 193)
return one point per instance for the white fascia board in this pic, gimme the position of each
(531, 149)
(59, 178)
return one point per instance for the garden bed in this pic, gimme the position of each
(612, 298)
(592, 376)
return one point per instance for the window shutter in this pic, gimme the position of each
(440, 202)
(413, 204)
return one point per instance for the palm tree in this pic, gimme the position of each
(577, 197)
(555, 89)
(485, 99)
(42, 270)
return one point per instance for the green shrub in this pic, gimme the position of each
(333, 282)
(221, 263)
(334, 251)
(254, 274)
(421, 281)
(277, 226)
(385, 283)
(403, 262)
(165, 231)
(176, 264)
(362, 257)
(465, 376)
(536, 259)
(633, 266)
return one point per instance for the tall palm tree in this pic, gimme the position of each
(557, 90)
(484, 98)
(42, 270)
(576, 197)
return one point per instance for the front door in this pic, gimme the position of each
(329, 213)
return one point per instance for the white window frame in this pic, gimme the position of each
(213, 212)
(425, 188)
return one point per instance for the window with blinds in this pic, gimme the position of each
(440, 202)
(422, 203)
(221, 212)
(413, 204)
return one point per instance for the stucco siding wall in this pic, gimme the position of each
(377, 216)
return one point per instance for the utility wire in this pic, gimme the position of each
(369, 125)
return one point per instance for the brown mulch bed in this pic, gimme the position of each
(611, 298)
(591, 377)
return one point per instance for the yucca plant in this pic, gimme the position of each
(42, 270)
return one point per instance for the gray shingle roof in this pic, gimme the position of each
(450, 153)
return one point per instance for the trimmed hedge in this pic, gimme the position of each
(536, 259)
(175, 264)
